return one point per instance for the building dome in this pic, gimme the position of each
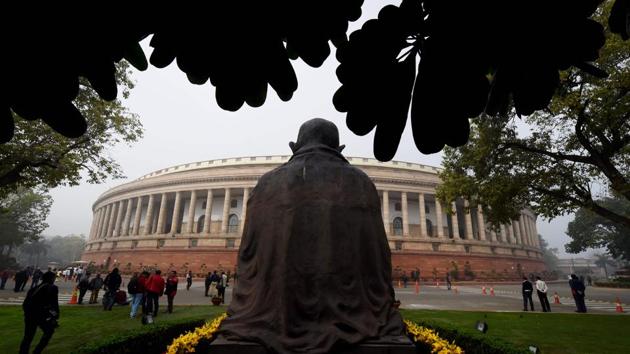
(190, 217)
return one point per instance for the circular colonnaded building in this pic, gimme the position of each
(190, 217)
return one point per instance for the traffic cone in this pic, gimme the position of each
(73, 300)
(491, 291)
(483, 290)
(417, 287)
(618, 308)
(556, 298)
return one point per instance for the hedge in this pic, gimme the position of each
(613, 284)
(155, 338)
(474, 343)
(148, 339)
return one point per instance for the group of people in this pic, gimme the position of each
(146, 290)
(216, 281)
(21, 278)
(577, 290)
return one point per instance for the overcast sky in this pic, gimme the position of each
(183, 124)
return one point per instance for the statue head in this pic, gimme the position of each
(317, 131)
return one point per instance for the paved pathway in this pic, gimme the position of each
(468, 297)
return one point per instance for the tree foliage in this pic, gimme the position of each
(23, 216)
(590, 230)
(571, 155)
(60, 249)
(39, 157)
(486, 52)
(550, 255)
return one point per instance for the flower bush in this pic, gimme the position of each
(187, 342)
(429, 337)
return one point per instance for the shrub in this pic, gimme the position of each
(146, 340)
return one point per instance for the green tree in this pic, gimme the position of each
(570, 153)
(34, 249)
(550, 255)
(603, 261)
(23, 216)
(65, 249)
(39, 157)
(590, 230)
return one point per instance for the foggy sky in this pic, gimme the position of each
(184, 124)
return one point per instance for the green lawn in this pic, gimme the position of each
(553, 333)
(80, 325)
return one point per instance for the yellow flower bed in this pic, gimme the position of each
(187, 342)
(438, 344)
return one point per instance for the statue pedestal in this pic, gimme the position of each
(398, 345)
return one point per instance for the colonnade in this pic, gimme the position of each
(150, 214)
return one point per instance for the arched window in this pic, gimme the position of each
(429, 228)
(233, 223)
(398, 226)
(200, 222)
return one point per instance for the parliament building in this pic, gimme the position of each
(190, 217)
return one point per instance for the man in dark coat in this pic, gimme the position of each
(21, 278)
(314, 262)
(528, 290)
(41, 309)
(577, 289)
(208, 282)
(112, 284)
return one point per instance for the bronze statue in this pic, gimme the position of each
(314, 262)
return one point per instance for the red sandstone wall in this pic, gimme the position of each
(204, 260)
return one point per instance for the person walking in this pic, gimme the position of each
(208, 282)
(577, 289)
(221, 285)
(155, 289)
(541, 290)
(136, 288)
(112, 284)
(83, 286)
(171, 289)
(6, 274)
(41, 309)
(27, 276)
(95, 286)
(188, 280)
(37, 274)
(19, 278)
(448, 280)
(527, 290)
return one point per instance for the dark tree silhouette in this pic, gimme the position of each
(475, 56)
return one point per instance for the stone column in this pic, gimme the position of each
(108, 210)
(386, 212)
(493, 235)
(405, 213)
(136, 217)
(515, 231)
(226, 211)
(244, 209)
(148, 220)
(535, 232)
(503, 236)
(176, 216)
(112, 220)
(481, 223)
(208, 212)
(161, 222)
(94, 228)
(103, 222)
(190, 222)
(438, 216)
(119, 217)
(468, 221)
(423, 217)
(125, 226)
(523, 231)
(455, 222)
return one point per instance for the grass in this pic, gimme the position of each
(551, 332)
(89, 324)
